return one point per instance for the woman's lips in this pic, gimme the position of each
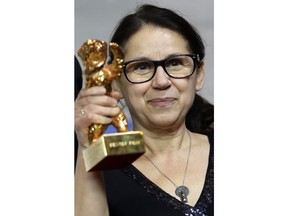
(162, 102)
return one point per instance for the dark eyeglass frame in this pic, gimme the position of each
(195, 58)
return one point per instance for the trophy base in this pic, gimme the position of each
(114, 151)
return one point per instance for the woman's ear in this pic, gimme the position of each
(200, 76)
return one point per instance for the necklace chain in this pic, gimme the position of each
(181, 191)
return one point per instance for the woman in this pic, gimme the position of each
(163, 70)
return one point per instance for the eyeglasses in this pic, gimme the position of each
(176, 66)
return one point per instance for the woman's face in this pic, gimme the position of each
(163, 101)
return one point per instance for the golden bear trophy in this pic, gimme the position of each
(116, 150)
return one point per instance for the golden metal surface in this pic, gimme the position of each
(93, 54)
(107, 151)
(112, 151)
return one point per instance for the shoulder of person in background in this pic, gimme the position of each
(77, 77)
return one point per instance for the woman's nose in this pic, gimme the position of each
(161, 79)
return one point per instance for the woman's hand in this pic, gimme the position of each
(94, 106)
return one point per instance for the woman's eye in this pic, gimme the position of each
(139, 67)
(174, 63)
(142, 66)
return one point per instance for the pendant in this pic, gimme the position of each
(182, 192)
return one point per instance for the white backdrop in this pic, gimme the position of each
(97, 19)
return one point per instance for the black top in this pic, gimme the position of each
(130, 193)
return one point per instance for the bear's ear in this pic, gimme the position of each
(116, 55)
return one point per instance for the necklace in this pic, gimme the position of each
(181, 191)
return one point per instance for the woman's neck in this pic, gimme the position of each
(163, 141)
